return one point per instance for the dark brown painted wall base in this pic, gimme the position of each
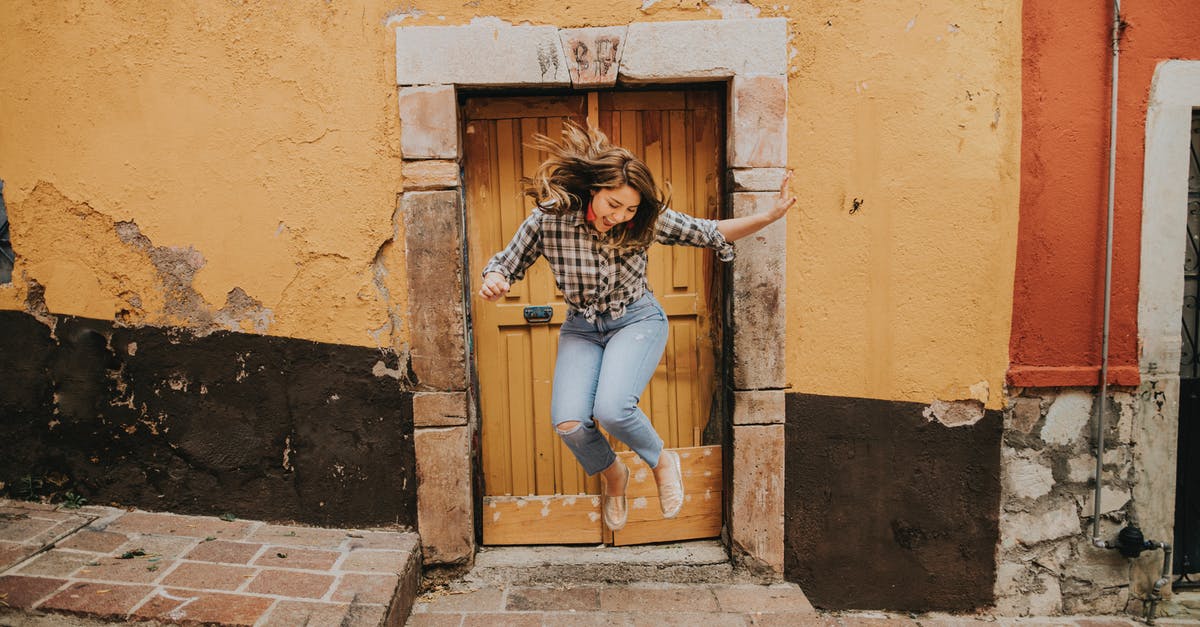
(261, 427)
(885, 509)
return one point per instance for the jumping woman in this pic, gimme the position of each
(597, 211)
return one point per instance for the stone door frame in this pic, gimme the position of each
(432, 63)
(1174, 92)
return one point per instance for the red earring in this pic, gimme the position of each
(591, 215)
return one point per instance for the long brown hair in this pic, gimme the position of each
(584, 161)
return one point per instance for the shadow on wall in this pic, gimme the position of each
(257, 426)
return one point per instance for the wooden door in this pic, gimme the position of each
(534, 490)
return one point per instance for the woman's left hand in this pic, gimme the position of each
(737, 228)
(784, 201)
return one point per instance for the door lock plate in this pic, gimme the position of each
(539, 314)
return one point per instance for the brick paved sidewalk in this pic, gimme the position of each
(112, 564)
(82, 567)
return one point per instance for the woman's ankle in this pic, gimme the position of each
(614, 476)
(660, 468)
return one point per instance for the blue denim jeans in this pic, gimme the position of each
(602, 370)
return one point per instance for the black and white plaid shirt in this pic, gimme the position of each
(595, 278)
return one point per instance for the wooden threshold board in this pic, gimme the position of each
(576, 518)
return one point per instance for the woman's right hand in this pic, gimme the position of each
(494, 286)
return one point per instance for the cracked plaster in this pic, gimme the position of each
(62, 264)
(213, 155)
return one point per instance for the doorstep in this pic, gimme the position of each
(698, 561)
(680, 583)
(111, 564)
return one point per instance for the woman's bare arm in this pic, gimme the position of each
(737, 228)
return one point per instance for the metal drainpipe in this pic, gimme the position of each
(1130, 541)
(1162, 580)
(1108, 254)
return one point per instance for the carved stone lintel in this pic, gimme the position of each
(593, 54)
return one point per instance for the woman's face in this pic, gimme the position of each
(613, 206)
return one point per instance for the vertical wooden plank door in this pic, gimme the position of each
(534, 490)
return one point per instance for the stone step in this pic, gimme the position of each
(618, 604)
(121, 565)
(1189, 598)
(696, 562)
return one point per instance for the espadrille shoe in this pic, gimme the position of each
(670, 487)
(616, 508)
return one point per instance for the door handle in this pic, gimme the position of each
(539, 314)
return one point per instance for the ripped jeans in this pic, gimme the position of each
(602, 370)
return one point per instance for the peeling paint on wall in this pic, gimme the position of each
(389, 286)
(735, 9)
(398, 15)
(954, 413)
(35, 305)
(262, 137)
(120, 273)
(182, 305)
(7, 258)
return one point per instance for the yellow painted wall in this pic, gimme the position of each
(266, 138)
(263, 135)
(913, 107)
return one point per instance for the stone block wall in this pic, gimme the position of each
(431, 211)
(1046, 563)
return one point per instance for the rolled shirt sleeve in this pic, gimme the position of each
(679, 228)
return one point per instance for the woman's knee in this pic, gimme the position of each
(568, 427)
(563, 413)
(576, 433)
(614, 411)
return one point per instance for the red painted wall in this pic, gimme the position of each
(1058, 302)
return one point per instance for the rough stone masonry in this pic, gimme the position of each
(1046, 564)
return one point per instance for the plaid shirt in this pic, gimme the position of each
(595, 278)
